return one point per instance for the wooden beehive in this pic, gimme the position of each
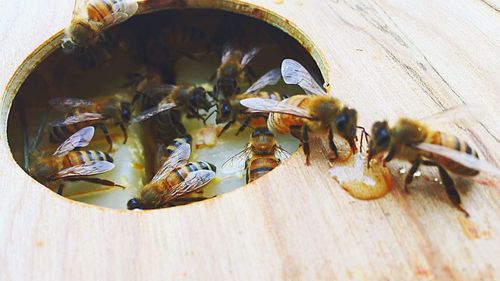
(385, 58)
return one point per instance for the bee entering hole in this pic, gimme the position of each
(145, 112)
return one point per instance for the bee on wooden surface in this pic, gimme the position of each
(232, 110)
(261, 155)
(233, 71)
(91, 17)
(69, 165)
(113, 110)
(413, 141)
(301, 115)
(176, 178)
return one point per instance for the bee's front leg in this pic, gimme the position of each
(411, 172)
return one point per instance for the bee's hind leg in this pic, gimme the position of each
(331, 143)
(411, 172)
(449, 186)
(124, 130)
(104, 129)
(96, 180)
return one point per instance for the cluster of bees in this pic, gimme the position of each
(314, 112)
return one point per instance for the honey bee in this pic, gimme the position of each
(69, 165)
(261, 155)
(413, 141)
(115, 110)
(232, 110)
(91, 17)
(164, 152)
(175, 100)
(175, 178)
(301, 115)
(233, 71)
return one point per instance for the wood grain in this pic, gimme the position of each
(387, 58)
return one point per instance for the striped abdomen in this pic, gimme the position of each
(280, 123)
(165, 188)
(80, 157)
(61, 133)
(258, 119)
(107, 11)
(452, 142)
(259, 165)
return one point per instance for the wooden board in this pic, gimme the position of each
(385, 58)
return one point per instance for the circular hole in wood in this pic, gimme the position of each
(174, 46)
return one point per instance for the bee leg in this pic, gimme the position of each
(244, 125)
(124, 130)
(60, 189)
(390, 155)
(452, 192)
(227, 126)
(331, 143)
(411, 172)
(305, 139)
(95, 180)
(104, 129)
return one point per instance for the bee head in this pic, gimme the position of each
(381, 139)
(346, 124)
(199, 99)
(134, 203)
(68, 46)
(262, 140)
(224, 110)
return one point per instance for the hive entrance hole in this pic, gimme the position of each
(184, 46)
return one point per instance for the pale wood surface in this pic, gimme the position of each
(385, 58)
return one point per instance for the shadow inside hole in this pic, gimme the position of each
(195, 39)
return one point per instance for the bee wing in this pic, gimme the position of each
(178, 158)
(294, 73)
(270, 105)
(226, 54)
(248, 56)
(465, 159)
(121, 11)
(152, 112)
(89, 169)
(73, 119)
(159, 89)
(81, 138)
(270, 78)
(193, 181)
(459, 112)
(237, 161)
(281, 153)
(64, 103)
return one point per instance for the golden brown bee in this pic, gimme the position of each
(232, 110)
(68, 165)
(233, 71)
(164, 152)
(261, 155)
(176, 178)
(91, 17)
(413, 141)
(175, 101)
(301, 115)
(114, 110)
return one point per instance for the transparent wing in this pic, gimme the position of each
(281, 153)
(73, 119)
(467, 160)
(270, 78)
(178, 158)
(193, 181)
(89, 169)
(270, 105)
(226, 54)
(152, 112)
(248, 56)
(163, 89)
(64, 103)
(237, 162)
(121, 11)
(81, 138)
(294, 73)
